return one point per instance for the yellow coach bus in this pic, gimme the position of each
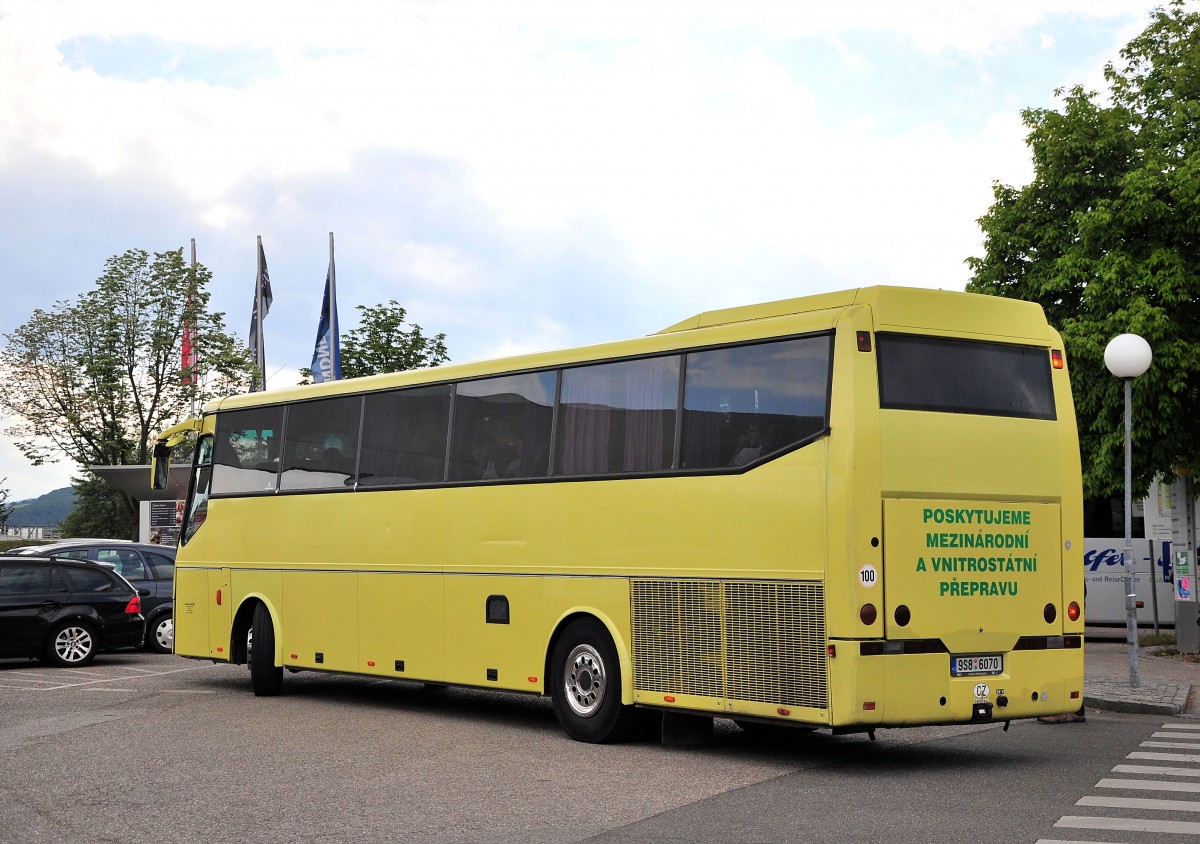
(852, 510)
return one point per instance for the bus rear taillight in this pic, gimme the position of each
(1073, 611)
(867, 614)
(1056, 359)
(134, 606)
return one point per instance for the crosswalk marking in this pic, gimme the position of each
(1141, 803)
(1166, 757)
(1150, 785)
(1131, 825)
(1156, 769)
(1177, 773)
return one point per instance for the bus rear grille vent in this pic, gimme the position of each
(758, 641)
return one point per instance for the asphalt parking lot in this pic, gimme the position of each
(141, 747)
(144, 747)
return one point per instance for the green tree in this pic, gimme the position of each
(5, 508)
(93, 379)
(383, 343)
(1105, 239)
(100, 510)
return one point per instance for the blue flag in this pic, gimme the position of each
(327, 353)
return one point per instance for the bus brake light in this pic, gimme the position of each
(1073, 611)
(1056, 359)
(867, 614)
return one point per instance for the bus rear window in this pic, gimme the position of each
(964, 376)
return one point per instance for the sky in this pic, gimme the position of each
(522, 175)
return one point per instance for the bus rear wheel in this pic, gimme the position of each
(266, 678)
(586, 685)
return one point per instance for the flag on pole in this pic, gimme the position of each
(262, 306)
(190, 357)
(327, 352)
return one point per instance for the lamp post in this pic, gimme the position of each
(1127, 356)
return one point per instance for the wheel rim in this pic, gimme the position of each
(164, 633)
(73, 644)
(586, 681)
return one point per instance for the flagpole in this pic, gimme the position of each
(195, 357)
(260, 350)
(333, 326)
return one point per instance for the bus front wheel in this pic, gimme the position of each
(266, 678)
(586, 684)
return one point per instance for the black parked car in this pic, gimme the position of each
(149, 567)
(65, 611)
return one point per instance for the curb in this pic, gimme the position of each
(1153, 698)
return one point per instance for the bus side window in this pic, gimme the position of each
(618, 417)
(743, 403)
(241, 448)
(502, 427)
(321, 444)
(404, 436)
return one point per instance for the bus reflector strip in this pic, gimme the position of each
(903, 646)
(1047, 643)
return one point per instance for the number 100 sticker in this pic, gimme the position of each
(867, 576)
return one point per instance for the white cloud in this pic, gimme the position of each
(523, 174)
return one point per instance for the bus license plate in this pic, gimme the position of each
(976, 666)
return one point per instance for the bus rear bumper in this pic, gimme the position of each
(906, 689)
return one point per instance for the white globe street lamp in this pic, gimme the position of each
(1127, 356)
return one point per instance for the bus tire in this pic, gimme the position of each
(586, 685)
(266, 678)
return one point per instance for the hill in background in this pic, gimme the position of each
(49, 509)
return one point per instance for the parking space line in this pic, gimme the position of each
(103, 680)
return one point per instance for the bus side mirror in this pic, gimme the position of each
(160, 465)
